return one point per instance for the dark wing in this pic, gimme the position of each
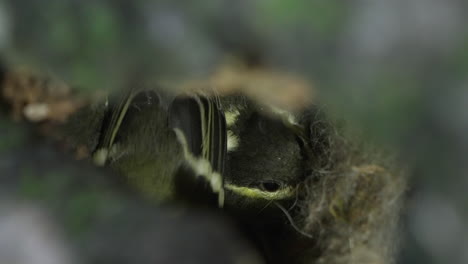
(203, 126)
(111, 124)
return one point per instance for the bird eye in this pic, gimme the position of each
(270, 186)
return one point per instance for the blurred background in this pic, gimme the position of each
(396, 70)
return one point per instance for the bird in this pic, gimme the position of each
(290, 184)
(197, 148)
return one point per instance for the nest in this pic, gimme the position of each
(353, 200)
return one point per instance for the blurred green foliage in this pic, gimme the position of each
(321, 16)
(11, 136)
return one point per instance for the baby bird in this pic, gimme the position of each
(291, 184)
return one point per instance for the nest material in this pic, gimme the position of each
(353, 203)
(37, 98)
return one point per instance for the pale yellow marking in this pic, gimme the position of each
(100, 157)
(231, 117)
(232, 141)
(255, 193)
(286, 116)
